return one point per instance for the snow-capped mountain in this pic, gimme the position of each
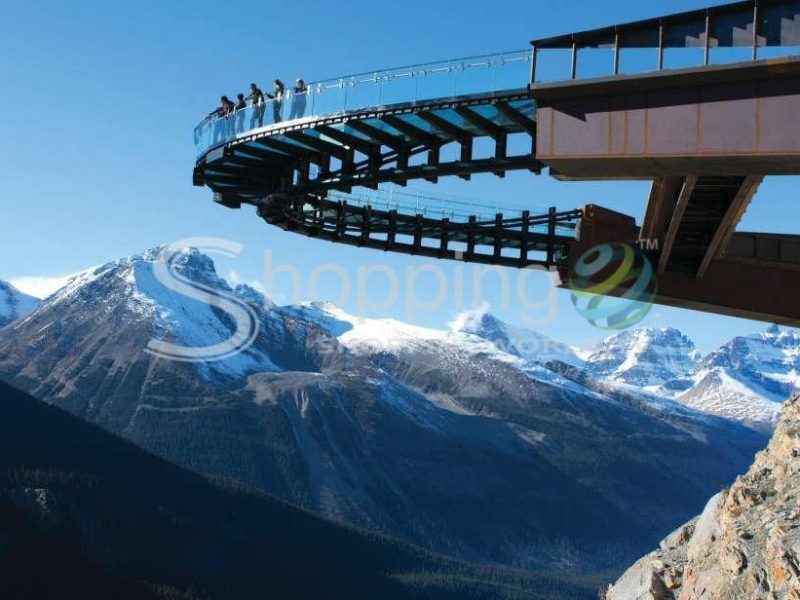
(747, 379)
(187, 317)
(14, 304)
(442, 437)
(474, 338)
(518, 341)
(744, 380)
(646, 358)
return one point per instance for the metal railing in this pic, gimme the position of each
(443, 206)
(742, 31)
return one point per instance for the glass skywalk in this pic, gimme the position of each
(377, 90)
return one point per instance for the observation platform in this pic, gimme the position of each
(704, 104)
(420, 122)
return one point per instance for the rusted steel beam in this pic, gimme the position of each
(728, 224)
(663, 193)
(728, 19)
(718, 120)
(757, 278)
(766, 249)
(675, 222)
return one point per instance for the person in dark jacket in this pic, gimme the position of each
(224, 109)
(258, 103)
(277, 100)
(299, 99)
(222, 112)
(241, 109)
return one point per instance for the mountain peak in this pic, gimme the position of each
(748, 377)
(186, 262)
(323, 305)
(251, 295)
(518, 341)
(775, 334)
(187, 305)
(644, 357)
(473, 319)
(187, 258)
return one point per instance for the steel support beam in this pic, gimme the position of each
(732, 217)
(675, 222)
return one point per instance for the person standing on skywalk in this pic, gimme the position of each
(241, 109)
(256, 98)
(277, 100)
(299, 97)
(222, 125)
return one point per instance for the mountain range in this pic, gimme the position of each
(486, 441)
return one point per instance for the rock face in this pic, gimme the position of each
(745, 545)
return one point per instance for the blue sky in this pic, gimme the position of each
(101, 99)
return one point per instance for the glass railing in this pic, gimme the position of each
(736, 32)
(557, 64)
(442, 80)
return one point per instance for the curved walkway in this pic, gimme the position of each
(388, 126)
(515, 240)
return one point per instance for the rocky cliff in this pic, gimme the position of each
(745, 544)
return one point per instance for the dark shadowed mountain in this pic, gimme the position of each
(441, 438)
(85, 514)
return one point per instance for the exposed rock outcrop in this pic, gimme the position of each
(745, 544)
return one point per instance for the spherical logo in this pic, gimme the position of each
(613, 285)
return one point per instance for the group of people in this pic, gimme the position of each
(233, 113)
